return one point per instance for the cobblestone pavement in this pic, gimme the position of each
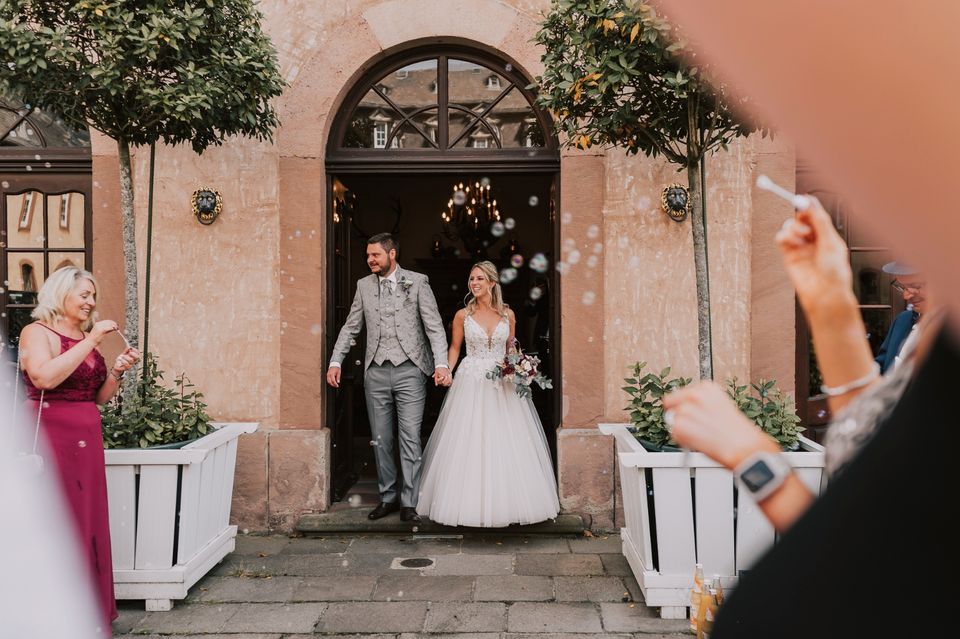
(475, 587)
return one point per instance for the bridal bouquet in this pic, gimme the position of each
(522, 371)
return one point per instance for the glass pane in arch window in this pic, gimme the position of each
(25, 220)
(36, 128)
(407, 92)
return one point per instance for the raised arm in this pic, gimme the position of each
(456, 339)
(817, 262)
(48, 368)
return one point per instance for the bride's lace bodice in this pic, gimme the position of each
(483, 350)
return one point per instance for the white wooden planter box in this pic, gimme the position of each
(694, 521)
(170, 514)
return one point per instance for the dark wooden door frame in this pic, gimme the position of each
(342, 161)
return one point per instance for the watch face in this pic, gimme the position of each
(757, 476)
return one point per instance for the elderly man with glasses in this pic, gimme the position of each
(909, 284)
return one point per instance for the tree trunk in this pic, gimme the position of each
(698, 226)
(131, 312)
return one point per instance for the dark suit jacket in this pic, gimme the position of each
(896, 336)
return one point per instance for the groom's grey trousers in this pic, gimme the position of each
(396, 394)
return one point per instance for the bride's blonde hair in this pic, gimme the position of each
(496, 297)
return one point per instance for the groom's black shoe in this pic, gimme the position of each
(409, 514)
(384, 509)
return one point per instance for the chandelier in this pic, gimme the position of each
(472, 217)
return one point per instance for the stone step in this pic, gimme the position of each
(354, 520)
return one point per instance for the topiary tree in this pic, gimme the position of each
(143, 71)
(616, 73)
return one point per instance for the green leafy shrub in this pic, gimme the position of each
(157, 414)
(771, 410)
(646, 403)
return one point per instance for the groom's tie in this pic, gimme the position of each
(388, 288)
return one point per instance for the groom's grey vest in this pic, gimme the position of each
(389, 348)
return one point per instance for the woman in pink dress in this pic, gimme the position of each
(66, 377)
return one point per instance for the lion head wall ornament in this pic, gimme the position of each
(675, 202)
(207, 205)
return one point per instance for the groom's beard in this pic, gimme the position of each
(385, 269)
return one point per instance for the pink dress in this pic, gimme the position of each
(70, 422)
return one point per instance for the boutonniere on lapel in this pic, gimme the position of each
(405, 284)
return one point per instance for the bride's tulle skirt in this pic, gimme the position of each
(487, 463)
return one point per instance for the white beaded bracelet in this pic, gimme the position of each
(835, 391)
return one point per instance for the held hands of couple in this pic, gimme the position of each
(705, 419)
(442, 377)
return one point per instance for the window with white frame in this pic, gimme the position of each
(380, 132)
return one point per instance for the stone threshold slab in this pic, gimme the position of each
(355, 521)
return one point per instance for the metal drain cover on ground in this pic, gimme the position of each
(412, 563)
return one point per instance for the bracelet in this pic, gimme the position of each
(115, 376)
(835, 391)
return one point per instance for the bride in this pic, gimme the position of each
(487, 463)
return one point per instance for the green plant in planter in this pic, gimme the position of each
(157, 414)
(771, 410)
(646, 403)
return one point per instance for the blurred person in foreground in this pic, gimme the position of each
(65, 377)
(834, 549)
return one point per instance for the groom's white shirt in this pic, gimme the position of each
(392, 278)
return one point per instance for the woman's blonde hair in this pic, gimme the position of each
(496, 297)
(53, 294)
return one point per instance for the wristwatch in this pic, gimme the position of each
(762, 473)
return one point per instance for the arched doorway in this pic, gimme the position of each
(443, 146)
(45, 205)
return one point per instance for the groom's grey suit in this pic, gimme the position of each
(405, 342)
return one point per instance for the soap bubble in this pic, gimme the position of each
(496, 229)
(588, 298)
(574, 256)
(454, 287)
(47, 164)
(315, 329)
(567, 217)
(592, 261)
(484, 182)
(539, 263)
(533, 201)
(563, 268)
(509, 223)
(593, 231)
(358, 362)
(569, 244)
(634, 262)
(5, 184)
(516, 261)
(355, 501)
(459, 198)
(507, 275)
(353, 342)
(598, 248)
(536, 293)
(37, 157)
(82, 444)
(29, 168)
(508, 67)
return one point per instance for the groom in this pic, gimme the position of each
(405, 343)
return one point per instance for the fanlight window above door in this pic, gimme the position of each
(448, 102)
(26, 126)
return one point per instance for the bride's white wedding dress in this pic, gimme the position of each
(487, 463)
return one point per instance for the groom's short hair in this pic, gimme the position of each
(386, 240)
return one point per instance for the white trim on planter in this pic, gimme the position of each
(726, 540)
(144, 516)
